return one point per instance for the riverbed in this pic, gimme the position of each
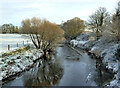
(66, 68)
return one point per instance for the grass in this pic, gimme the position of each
(14, 52)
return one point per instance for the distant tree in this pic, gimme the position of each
(44, 34)
(16, 29)
(97, 20)
(73, 27)
(9, 28)
(0, 29)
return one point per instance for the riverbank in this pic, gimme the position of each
(13, 64)
(103, 49)
(59, 71)
(101, 67)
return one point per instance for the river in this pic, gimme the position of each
(67, 68)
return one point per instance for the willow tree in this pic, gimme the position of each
(44, 34)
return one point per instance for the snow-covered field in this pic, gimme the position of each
(12, 40)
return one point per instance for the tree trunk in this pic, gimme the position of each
(46, 55)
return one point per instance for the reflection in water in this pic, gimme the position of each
(99, 71)
(101, 76)
(76, 73)
(47, 75)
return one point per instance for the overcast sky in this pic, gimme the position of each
(14, 11)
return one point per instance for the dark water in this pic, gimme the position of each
(65, 69)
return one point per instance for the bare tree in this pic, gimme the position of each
(116, 22)
(97, 20)
(44, 34)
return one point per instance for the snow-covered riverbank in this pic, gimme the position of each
(13, 64)
(105, 48)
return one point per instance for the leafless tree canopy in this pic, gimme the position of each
(98, 19)
(43, 33)
(116, 22)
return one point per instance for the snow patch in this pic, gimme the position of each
(76, 42)
(17, 63)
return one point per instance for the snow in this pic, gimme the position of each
(93, 49)
(89, 76)
(113, 65)
(12, 40)
(1, 78)
(76, 42)
(104, 47)
(110, 52)
(82, 42)
(16, 64)
(12, 64)
(113, 83)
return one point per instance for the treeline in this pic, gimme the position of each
(45, 35)
(101, 22)
(9, 28)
